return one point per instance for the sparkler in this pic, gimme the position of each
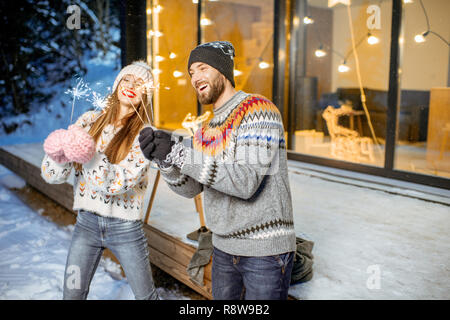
(80, 90)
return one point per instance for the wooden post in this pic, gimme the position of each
(199, 208)
(152, 197)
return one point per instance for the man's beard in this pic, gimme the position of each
(215, 90)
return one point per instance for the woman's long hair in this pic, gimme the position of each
(121, 143)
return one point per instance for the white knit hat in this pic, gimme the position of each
(140, 69)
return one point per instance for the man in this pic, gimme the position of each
(238, 159)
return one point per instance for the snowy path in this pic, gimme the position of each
(369, 242)
(33, 253)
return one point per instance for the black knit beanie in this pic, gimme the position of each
(217, 54)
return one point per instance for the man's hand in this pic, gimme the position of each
(155, 144)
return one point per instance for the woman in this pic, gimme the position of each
(110, 184)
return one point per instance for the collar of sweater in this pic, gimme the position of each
(224, 110)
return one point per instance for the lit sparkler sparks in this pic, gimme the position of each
(80, 90)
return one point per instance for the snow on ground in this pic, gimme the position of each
(33, 253)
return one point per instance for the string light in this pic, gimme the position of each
(177, 74)
(420, 38)
(149, 11)
(320, 52)
(237, 73)
(408, 1)
(172, 55)
(205, 22)
(263, 65)
(372, 40)
(343, 67)
(158, 8)
(308, 20)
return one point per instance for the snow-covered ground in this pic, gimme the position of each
(33, 253)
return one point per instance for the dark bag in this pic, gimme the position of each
(303, 261)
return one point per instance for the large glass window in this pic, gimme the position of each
(423, 141)
(171, 34)
(341, 95)
(248, 25)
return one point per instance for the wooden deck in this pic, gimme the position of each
(167, 252)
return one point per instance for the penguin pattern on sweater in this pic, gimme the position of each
(111, 190)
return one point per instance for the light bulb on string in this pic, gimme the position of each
(372, 39)
(159, 58)
(419, 38)
(237, 73)
(172, 55)
(308, 20)
(177, 74)
(205, 22)
(263, 65)
(158, 8)
(343, 67)
(408, 1)
(320, 52)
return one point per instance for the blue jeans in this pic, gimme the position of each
(251, 278)
(125, 239)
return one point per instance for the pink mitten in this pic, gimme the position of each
(80, 146)
(53, 145)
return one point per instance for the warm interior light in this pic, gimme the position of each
(419, 38)
(158, 8)
(263, 65)
(177, 74)
(149, 11)
(195, 1)
(205, 22)
(308, 20)
(237, 73)
(408, 1)
(343, 68)
(320, 53)
(172, 55)
(372, 40)
(159, 58)
(156, 71)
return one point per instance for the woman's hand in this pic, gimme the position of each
(53, 146)
(72, 145)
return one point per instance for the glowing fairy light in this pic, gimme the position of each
(343, 67)
(320, 53)
(177, 74)
(80, 90)
(308, 20)
(263, 65)
(237, 73)
(372, 40)
(172, 55)
(205, 22)
(159, 58)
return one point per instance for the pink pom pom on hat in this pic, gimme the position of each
(79, 146)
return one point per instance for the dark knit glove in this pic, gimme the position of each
(158, 147)
(146, 137)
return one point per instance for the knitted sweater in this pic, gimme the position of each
(111, 190)
(238, 159)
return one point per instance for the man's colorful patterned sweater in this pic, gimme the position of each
(111, 190)
(238, 159)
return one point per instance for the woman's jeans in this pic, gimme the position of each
(125, 239)
(251, 278)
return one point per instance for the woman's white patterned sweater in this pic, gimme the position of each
(110, 190)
